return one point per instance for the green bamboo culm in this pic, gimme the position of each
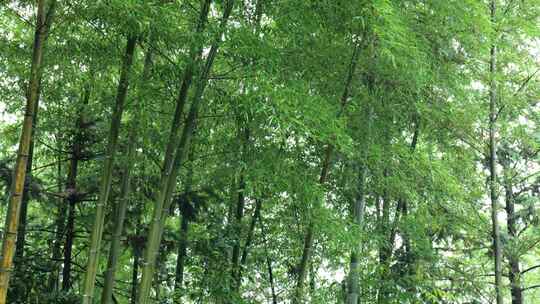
(106, 177)
(168, 181)
(173, 142)
(45, 14)
(125, 190)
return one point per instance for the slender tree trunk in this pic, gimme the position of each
(239, 212)
(59, 224)
(43, 23)
(404, 210)
(137, 255)
(170, 152)
(251, 232)
(268, 263)
(184, 233)
(121, 208)
(385, 249)
(21, 237)
(312, 277)
(237, 231)
(182, 248)
(135, 274)
(249, 239)
(120, 215)
(106, 178)
(271, 280)
(237, 256)
(353, 287)
(308, 239)
(72, 192)
(71, 201)
(68, 247)
(514, 273)
(497, 251)
(168, 183)
(353, 290)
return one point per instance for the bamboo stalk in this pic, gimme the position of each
(43, 23)
(106, 180)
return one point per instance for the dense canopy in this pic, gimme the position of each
(270, 151)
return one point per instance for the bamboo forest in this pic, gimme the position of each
(270, 151)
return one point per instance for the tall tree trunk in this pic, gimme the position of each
(239, 210)
(251, 232)
(271, 279)
(353, 284)
(249, 239)
(243, 138)
(73, 195)
(514, 272)
(312, 277)
(308, 238)
(184, 232)
(21, 237)
(121, 208)
(135, 273)
(170, 152)
(385, 249)
(237, 231)
(268, 262)
(120, 215)
(71, 201)
(404, 212)
(180, 260)
(497, 251)
(68, 246)
(137, 246)
(353, 290)
(168, 182)
(43, 23)
(106, 178)
(59, 224)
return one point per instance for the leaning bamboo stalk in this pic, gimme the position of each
(125, 190)
(165, 194)
(43, 23)
(170, 152)
(105, 185)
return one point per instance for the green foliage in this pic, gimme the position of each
(414, 117)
